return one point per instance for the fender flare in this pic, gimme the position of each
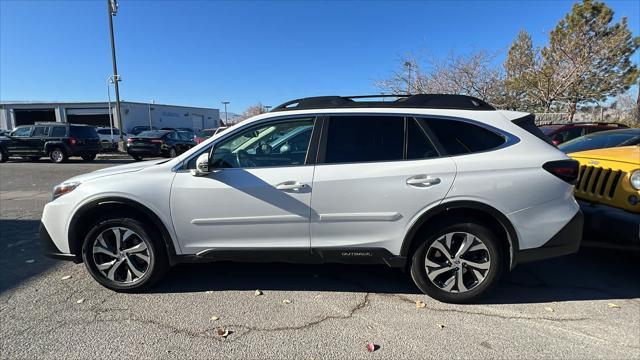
(49, 144)
(73, 225)
(512, 236)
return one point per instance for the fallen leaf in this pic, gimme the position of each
(286, 301)
(613, 306)
(258, 292)
(80, 301)
(30, 261)
(441, 326)
(420, 304)
(371, 347)
(214, 318)
(549, 309)
(223, 333)
(67, 277)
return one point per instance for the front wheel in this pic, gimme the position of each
(137, 158)
(57, 155)
(125, 255)
(458, 264)
(173, 153)
(88, 157)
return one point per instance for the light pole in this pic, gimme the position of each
(109, 82)
(409, 66)
(150, 103)
(226, 118)
(112, 10)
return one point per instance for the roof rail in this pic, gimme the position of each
(428, 101)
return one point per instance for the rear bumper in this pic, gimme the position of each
(564, 242)
(50, 249)
(620, 226)
(145, 151)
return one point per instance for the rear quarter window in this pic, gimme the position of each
(459, 137)
(58, 131)
(83, 132)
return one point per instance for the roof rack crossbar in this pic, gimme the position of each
(430, 101)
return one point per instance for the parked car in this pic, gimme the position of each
(445, 186)
(109, 139)
(154, 143)
(602, 139)
(608, 190)
(204, 134)
(4, 132)
(184, 130)
(58, 141)
(560, 133)
(138, 129)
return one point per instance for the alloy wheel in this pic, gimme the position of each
(57, 155)
(121, 255)
(457, 262)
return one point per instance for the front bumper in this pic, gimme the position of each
(620, 226)
(50, 249)
(564, 242)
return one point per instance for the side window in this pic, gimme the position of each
(418, 144)
(59, 131)
(172, 136)
(364, 139)
(256, 146)
(573, 133)
(22, 132)
(459, 137)
(40, 131)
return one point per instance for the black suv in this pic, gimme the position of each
(58, 141)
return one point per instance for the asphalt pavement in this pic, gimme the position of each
(580, 306)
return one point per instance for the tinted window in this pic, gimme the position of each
(418, 144)
(40, 131)
(153, 134)
(83, 132)
(59, 131)
(253, 147)
(459, 137)
(364, 138)
(22, 132)
(567, 135)
(108, 132)
(598, 141)
(206, 133)
(185, 135)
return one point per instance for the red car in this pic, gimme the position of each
(203, 135)
(559, 133)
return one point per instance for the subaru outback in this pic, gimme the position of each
(445, 187)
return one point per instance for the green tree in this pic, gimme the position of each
(591, 55)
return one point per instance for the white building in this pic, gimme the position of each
(13, 114)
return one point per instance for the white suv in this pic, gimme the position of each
(444, 186)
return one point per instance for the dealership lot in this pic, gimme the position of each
(581, 306)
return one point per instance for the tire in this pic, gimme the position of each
(3, 156)
(57, 155)
(477, 280)
(136, 157)
(173, 153)
(132, 272)
(88, 157)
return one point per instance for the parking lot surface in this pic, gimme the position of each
(581, 306)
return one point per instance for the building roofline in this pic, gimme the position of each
(28, 102)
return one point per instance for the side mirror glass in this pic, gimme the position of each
(202, 165)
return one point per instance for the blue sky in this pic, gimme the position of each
(202, 52)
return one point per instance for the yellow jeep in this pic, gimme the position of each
(608, 190)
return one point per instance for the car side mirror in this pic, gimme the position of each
(202, 166)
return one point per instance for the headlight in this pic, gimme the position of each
(64, 188)
(635, 179)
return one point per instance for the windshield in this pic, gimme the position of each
(598, 140)
(205, 133)
(152, 134)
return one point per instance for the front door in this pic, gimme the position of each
(255, 198)
(373, 178)
(19, 144)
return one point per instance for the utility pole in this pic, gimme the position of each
(226, 118)
(150, 123)
(409, 66)
(112, 10)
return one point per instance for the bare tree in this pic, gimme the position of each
(254, 110)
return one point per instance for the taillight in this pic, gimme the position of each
(129, 140)
(566, 170)
(72, 140)
(157, 141)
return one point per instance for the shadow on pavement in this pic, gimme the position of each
(21, 255)
(120, 160)
(592, 274)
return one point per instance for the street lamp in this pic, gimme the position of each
(150, 103)
(109, 82)
(112, 10)
(226, 118)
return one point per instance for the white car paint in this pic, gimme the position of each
(354, 205)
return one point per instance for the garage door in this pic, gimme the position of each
(94, 119)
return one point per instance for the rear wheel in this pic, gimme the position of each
(124, 254)
(88, 157)
(57, 155)
(458, 264)
(136, 157)
(173, 153)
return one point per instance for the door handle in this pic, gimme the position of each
(291, 185)
(423, 181)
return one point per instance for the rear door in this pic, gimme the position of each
(38, 138)
(374, 175)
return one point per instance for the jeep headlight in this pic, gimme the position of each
(635, 179)
(64, 188)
